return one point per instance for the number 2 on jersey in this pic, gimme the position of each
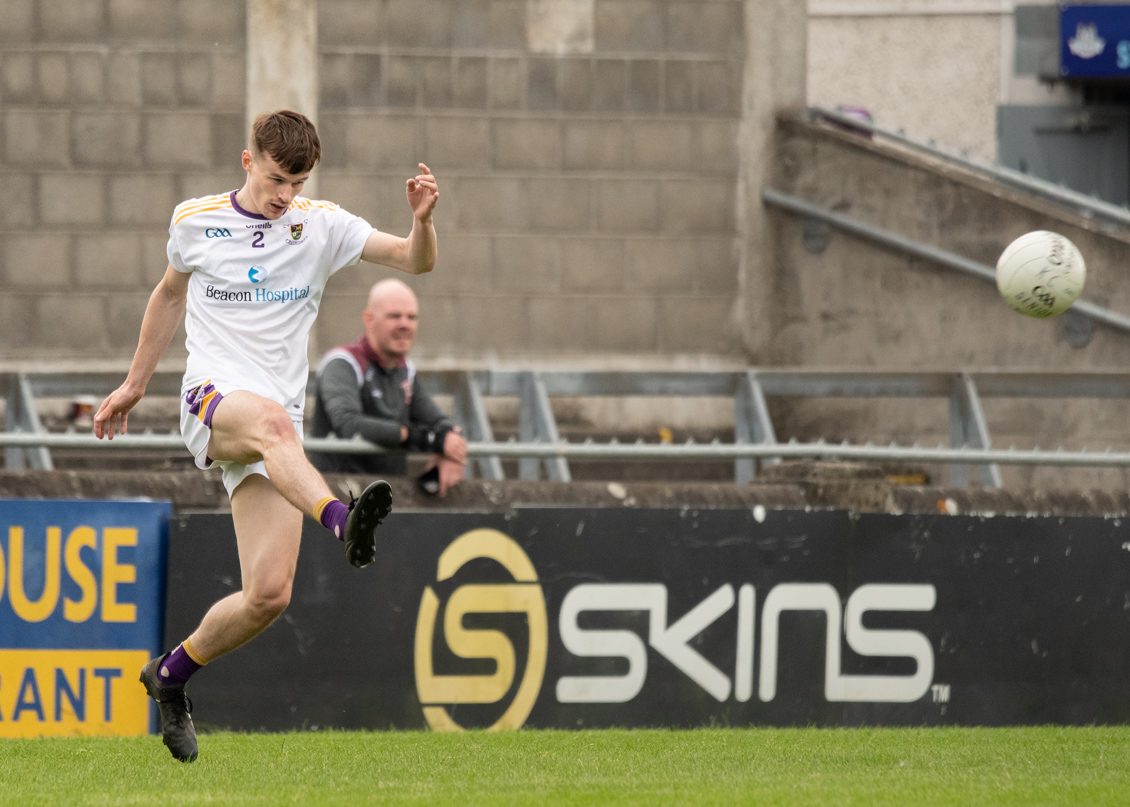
(257, 241)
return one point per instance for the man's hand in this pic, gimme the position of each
(114, 412)
(423, 193)
(450, 472)
(455, 447)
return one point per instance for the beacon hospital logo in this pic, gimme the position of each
(257, 275)
(672, 640)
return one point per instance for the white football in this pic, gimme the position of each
(1041, 274)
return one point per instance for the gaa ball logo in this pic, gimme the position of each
(1041, 274)
(438, 692)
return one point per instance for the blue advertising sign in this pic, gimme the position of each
(1094, 41)
(82, 600)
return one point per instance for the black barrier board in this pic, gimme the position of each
(585, 618)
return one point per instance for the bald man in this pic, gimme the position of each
(370, 388)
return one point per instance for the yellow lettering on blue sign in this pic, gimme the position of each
(69, 555)
(114, 573)
(25, 609)
(48, 693)
(80, 610)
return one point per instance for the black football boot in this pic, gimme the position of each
(366, 514)
(177, 731)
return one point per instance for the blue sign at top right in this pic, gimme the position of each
(1094, 41)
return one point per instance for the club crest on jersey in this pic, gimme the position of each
(296, 236)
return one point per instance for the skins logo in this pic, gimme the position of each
(674, 641)
(523, 596)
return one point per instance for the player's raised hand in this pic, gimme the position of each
(423, 193)
(114, 412)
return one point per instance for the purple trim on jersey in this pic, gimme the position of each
(197, 396)
(236, 207)
(212, 408)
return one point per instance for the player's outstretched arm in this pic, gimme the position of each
(415, 254)
(162, 316)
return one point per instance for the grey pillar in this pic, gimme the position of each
(282, 72)
(560, 26)
(282, 59)
(774, 80)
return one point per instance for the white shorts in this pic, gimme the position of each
(196, 408)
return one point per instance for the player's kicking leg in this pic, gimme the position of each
(247, 428)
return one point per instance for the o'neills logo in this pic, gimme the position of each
(523, 596)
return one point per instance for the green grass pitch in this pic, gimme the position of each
(1025, 766)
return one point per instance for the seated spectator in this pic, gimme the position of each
(370, 389)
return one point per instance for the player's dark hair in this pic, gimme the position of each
(287, 137)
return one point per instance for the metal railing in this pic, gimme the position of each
(917, 249)
(540, 451)
(1090, 206)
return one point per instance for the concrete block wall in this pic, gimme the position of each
(111, 112)
(857, 304)
(936, 68)
(587, 199)
(860, 305)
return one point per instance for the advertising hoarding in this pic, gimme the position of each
(566, 618)
(1094, 41)
(82, 591)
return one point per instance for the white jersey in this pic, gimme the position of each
(255, 289)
